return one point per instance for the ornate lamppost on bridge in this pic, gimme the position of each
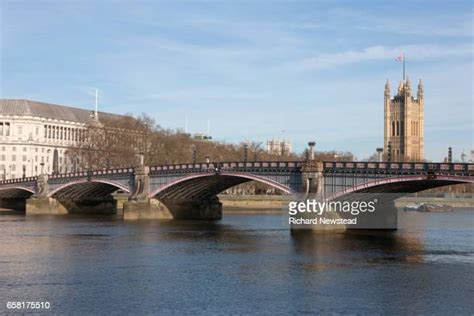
(312, 172)
(141, 156)
(246, 151)
(194, 153)
(311, 146)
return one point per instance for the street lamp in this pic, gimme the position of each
(142, 158)
(311, 149)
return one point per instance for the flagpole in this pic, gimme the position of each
(403, 66)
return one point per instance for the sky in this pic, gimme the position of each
(302, 70)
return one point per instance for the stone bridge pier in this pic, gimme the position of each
(40, 203)
(142, 205)
(139, 204)
(70, 200)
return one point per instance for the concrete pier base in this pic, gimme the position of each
(151, 209)
(51, 206)
(210, 209)
(383, 218)
(103, 206)
(44, 206)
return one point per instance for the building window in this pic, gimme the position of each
(13, 157)
(3, 158)
(393, 128)
(13, 148)
(20, 130)
(24, 157)
(24, 149)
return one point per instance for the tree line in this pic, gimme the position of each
(117, 142)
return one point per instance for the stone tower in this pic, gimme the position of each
(404, 123)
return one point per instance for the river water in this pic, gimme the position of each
(243, 264)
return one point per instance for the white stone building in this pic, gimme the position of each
(279, 146)
(32, 133)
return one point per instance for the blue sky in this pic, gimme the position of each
(300, 69)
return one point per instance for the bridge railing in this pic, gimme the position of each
(72, 175)
(91, 173)
(187, 166)
(329, 166)
(19, 180)
(226, 165)
(400, 167)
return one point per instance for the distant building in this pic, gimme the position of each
(34, 133)
(279, 146)
(404, 123)
(201, 136)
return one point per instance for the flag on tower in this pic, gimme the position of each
(401, 57)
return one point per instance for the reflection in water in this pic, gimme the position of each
(363, 245)
(242, 264)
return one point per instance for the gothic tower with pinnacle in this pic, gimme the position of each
(404, 123)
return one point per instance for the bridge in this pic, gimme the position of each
(190, 190)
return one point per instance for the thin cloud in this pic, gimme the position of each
(373, 53)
